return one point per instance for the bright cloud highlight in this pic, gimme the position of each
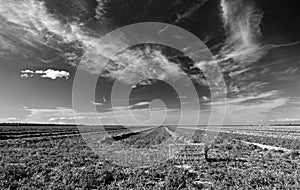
(49, 73)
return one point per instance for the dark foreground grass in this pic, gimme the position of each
(67, 163)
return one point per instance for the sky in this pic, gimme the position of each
(255, 43)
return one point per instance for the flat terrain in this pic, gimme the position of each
(57, 157)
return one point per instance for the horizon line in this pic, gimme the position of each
(74, 124)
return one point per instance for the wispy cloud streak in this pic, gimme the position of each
(242, 21)
(30, 23)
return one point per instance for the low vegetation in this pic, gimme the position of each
(66, 162)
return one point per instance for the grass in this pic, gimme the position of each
(66, 162)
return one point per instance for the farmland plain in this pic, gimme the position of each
(58, 157)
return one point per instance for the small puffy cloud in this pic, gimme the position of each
(54, 74)
(27, 71)
(26, 75)
(49, 73)
(39, 72)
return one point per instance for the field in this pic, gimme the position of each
(57, 157)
